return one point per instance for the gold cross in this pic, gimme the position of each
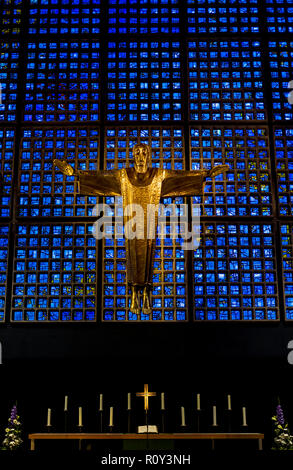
(146, 394)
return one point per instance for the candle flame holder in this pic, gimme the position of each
(111, 428)
(49, 427)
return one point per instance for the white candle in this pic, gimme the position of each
(198, 402)
(101, 402)
(182, 416)
(66, 403)
(111, 416)
(80, 416)
(49, 417)
(163, 401)
(214, 415)
(128, 401)
(229, 403)
(244, 416)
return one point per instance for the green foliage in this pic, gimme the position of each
(12, 439)
(282, 440)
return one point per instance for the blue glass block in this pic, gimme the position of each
(30, 315)
(199, 315)
(90, 315)
(77, 315)
(180, 315)
(121, 315)
(235, 315)
(109, 315)
(168, 315)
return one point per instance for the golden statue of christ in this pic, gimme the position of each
(141, 185)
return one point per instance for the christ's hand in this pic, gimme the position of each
(64, 167)
(217, 170)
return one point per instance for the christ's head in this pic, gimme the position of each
(142, 156)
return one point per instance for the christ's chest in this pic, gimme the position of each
(141, 195)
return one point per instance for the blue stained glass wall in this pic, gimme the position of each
(144, 81)
(9, 65)
(281, 63)
(223, 16)
(62, 81)
(245, 190)
(54, 273)
(279, 16)
(77, 73)
(10, 21)
(225, 80)
(167, 146)
(43, 190)
(64, 16)
(144, 17)
(7, 149)
(283, 144)
(286, 236)
(235, 275)
(4, 246)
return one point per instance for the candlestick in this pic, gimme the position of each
(198, 402)
(163, 420)
(80, 416)
(66, 403)
(229, 402)
(79, 440)
(162, 401)
(215, 416)
(49, 417)
(101, 402)
(228, 415)
(183, 416)
(244, 423)
(129, 421)
(111, 416)
(128, 401)
(198, 413)
(65, 420)
(101, 421)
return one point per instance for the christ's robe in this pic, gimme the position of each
(144, 190)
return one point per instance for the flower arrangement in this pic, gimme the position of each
(12, 439)
(282, 440)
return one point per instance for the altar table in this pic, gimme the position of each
(94, 436)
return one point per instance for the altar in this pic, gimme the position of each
(133, 436)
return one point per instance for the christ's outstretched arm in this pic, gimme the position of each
(188, 183)
(96, 183)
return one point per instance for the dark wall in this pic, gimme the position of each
(145, 347)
